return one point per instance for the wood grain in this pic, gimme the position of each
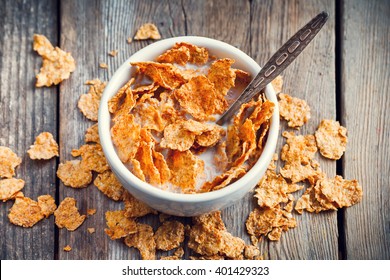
(25, 111)
(311, 77)
(365, 112)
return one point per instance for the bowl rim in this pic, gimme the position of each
(104, 120)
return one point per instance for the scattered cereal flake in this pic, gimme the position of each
(135, 208)
(56, 64)
(211, 220)
(126, 137)
(47, 204)
(169, 235)
(185, 168)
(25, 212)
(199, 98)
(129, 40)
(9, 187)
(251, 252)
(294, 110)
(8, 162)
(205, 241)
(177, 255)
(340, 192)
(113, 53)
(163, 74)
(103, 65)
(176, 137)
(162, 166)
(91, 211)
(109, 185)
(45, 147)
(232, 247)
(277, 84)
(298, 148)
(74, 174)
(273, 189)
(331, 139)
(181, 56)
(147, 31)
(222, 75)
(119, 225)
(91, 230)
(144, 241)
(92, 157)
(198, 55)
(92, 134)
(89, 102)
(266, 221)
(298, 172)
(67, 215)
(67, 248)
(224, 179)
(123, 98)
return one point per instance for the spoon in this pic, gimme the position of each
(277, 63)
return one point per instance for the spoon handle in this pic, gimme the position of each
(277, 63)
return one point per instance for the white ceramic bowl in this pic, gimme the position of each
(176, 203)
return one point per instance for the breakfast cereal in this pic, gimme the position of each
(147, 31)
(45, 147)
(9, 187)
(109, 185)
(67, 215)
(294, 110)
(74, 174)
(89, 102)
(8, 162)
(143, 240)
(331, 139)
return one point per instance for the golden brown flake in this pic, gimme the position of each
(331, 139)
(91, 211)
(123, 98)
(294, 110)
(145, 157)
(109, 185)
(169, 235)
(9, 187)
(56, 64)
(267, 221)
(113, 53)
(147, 31)
(135, 208)
(298, 172)
(341, 192)
(74, 174)
(273, 189)
(221, 75)
(8, 162)
(176, 137)
(92, 134)
(45, 147)
(224, 179)
(91, 230)
(135, 168)
(199, 98)
(180, 56)
(103, 65)
(220, 157)
(119, 225)
(126, 137)
(67, 248)
(185, 168)
(251, 252)
(92, 157)
(198, 55)
(210, 138)
(162, 166)
(47, 204)
(144, 241)
(67, 215)
(298, 148)
(25, 212)
(148, 115)
(163, 74)
(89, 102)
(232, 247)
(277, 84)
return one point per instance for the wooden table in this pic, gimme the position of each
(344, 75)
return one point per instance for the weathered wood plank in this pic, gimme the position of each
(312, 78)
(90, 29)
(25, 111)
(365, 112)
